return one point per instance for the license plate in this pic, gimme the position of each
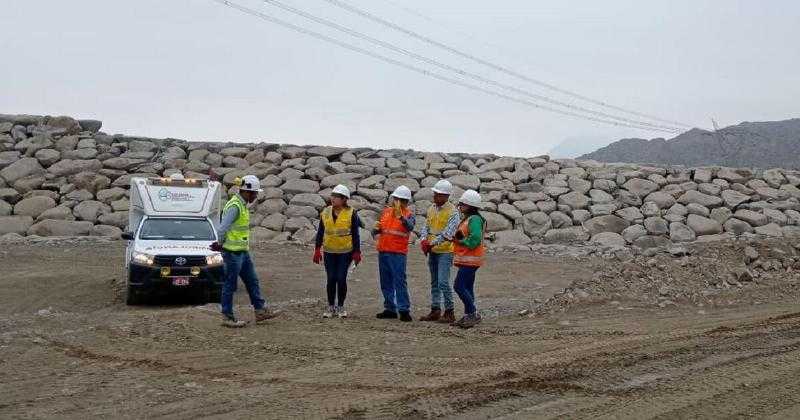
(180, 281)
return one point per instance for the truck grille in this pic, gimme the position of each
(169, 260)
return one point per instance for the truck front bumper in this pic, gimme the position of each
(152, 277)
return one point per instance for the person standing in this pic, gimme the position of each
(394, 230)
(338, 244)
(442, 222)
(469, 255)
(234, 231)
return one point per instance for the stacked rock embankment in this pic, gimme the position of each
(64, 177)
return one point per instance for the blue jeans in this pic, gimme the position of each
(239, 264)
(440, 264)
(392, 270)
(465, 288)
(336, 266)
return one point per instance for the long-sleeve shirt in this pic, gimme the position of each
(447, 233)
(228, 217)
(475, 235)
(354, 225)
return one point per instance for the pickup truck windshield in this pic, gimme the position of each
(177, 230)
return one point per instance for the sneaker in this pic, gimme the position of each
(405, 316)
(329, 313)
(459, 322)
(470, 321)
(386, 314)
(340, 312)
(262, 315)
(230, 321)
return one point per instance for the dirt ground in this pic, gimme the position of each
(71, 348)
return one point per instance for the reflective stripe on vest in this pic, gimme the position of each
(237, 237)
(338, 237)
(437, 222)
(393, 236)
(465, 256)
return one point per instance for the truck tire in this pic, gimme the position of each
(135, 297)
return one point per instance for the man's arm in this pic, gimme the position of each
(449, 230)
(228, 217)
(355, 232)
(409, 222)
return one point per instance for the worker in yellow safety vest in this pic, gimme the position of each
(338, 239)
(437, 244)
(234, 232)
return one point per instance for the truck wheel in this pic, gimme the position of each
(135, 296)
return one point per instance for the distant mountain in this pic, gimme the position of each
(750, 144)
(575, 146)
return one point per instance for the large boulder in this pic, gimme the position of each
(34, 206)
(306, 199)
(633, 232)
(90, 210)
(640, 187)
(466, 182)
(656, 226)
(697, 197)
(496, 222)
(566, 235)
(662, 200)
(737, 227)
(574, 200)
(21, 169)
(678, 232)
(15, 224)
(118, 219)
(771, 229)
(609, 239)
(608, 223)
(61, 228)
(511, 237)
(66, 167)
(536, 224)
(299, 186)
(703, 225)
(107, 231)
(751, 217)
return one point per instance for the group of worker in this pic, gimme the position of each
(452, 236)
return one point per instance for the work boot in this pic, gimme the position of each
(262, 315)
(470, 320)
(387, 314)
(459, 322)
(230, 321)
(405, 316)
(448, 317)
(433, 316)
(340, 312)
(330, 312)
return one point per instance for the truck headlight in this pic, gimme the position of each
(142, 258)
(215, 259)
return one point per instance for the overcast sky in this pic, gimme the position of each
(198, 70)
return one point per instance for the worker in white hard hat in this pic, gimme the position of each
(394, 231)
(338, 245)
(440, 227)
(469, 255)
(234, 231)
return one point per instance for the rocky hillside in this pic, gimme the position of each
(774, 144)
(63, 177)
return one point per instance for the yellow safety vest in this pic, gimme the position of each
(237, 237)
(338, 237)
(437, 222)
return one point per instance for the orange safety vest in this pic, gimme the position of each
(393, 236)
(465, 257)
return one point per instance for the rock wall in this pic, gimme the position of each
(63, 177)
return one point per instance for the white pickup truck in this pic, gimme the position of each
(172, 222)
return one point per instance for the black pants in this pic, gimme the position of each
(336, 266)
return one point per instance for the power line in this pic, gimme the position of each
(459, 71)
(420, 70)
(374, 18)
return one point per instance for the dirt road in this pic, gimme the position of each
(70, 348)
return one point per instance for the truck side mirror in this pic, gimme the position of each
(128, 236)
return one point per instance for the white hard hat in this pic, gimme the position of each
(250, 183)
(443, 187)
(341, 190)
(402, 192)
(471, 198)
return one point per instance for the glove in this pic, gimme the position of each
(317, 255)
(357, 257)
(425, 245)
(215, 246)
